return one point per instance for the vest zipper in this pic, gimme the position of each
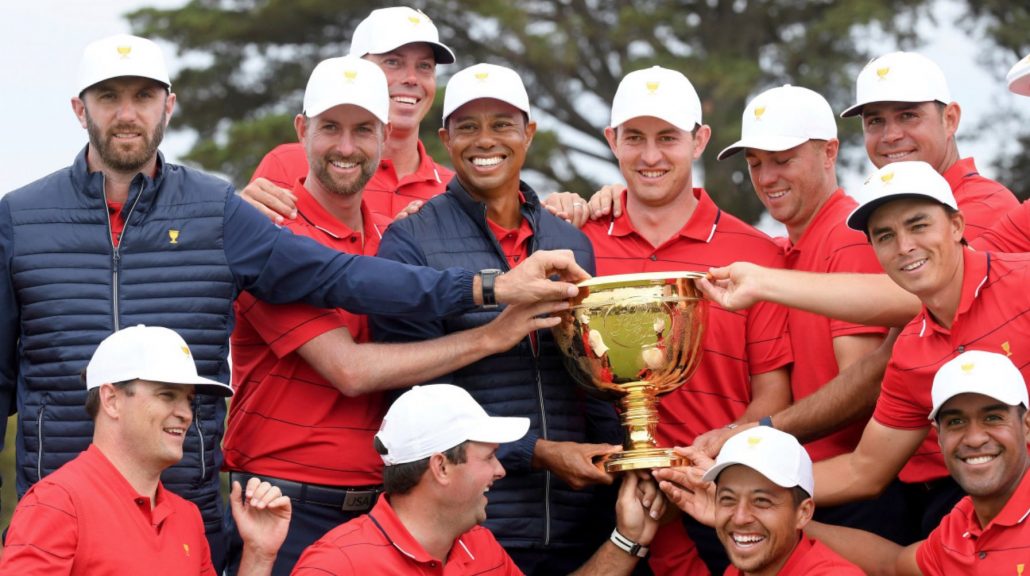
(39, 434)
(116, 256)
(200, 437)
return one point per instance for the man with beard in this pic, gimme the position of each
(544, 512)
(308, 384)
(121, 237)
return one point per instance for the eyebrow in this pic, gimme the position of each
(908, 222)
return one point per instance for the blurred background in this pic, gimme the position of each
(239, 68)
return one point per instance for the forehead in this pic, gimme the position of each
(971, 402)
(161, 386)
(125, 83)
(903, 209)
(414, 50)
(346, 114)
(485, 106)
(887, 108)
(800, 149)
(648, 125)
(742, 479)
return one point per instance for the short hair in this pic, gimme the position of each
(799, 495)
(402, 478)
(93, 395)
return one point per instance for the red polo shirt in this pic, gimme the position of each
(827, 245)
(1010, 232)
(811, 558)
(737, 344)
(980, 199)
(378, 543)
(286, 420)
(961, 546)
(87, 519)
(993, 315)
(385, 194)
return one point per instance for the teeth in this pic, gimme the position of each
(775, 195)
(492, 161)
(652, 173)
(343, 165)
(749, 539)
(979, 460)
(405, 99)
(896, 155)
(914, 265)
(176, 431)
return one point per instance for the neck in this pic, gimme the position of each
(402, 150)
(344, 208)
(987, 508)
(950, 158)
(795, 230)
(659, 222)
(427, 523)
(143, 478)
(774, 568)
(116, 183)
(943, 304)
(502, 204)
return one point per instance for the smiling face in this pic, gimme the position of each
(125, 118)
(656, 158)
(984, 443)
(154, 418)
(793, 184)
(343, 146)
(919, 246)
(488, 140)
(757, 521)
(472, 481)
(411, 78)
(897, 131)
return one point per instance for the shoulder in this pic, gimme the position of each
(192, 181)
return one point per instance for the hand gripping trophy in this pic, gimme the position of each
(632, 338)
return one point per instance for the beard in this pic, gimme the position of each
(343, 187)
(125, 158)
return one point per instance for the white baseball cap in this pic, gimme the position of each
(782, 118)
(1019, 77)
(149, 353)
(437, 417)
(387, 29)
(978, 372)
(485, 81)
(121, 55)
(896, 181)
(899, 77)
(774, 454)
(347, 80)
(659, 92)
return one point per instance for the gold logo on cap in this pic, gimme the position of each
(415, 20)
(882, 72)
(753, 441)
(124, 51)
(652, 87)
(968, 367)
(350, 75)
(886, 178)
(1005, 346)
(482, 76)
(759, 111)
(185, 350)
(173, 236)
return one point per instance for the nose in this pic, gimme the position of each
(345, 143)
(742, 513)
(765, 176)
(498, 469)
(891, 131)
(906, 243)
(975, 435)
(184, 410)
(126, 110)
(651, 154)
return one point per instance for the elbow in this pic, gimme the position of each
(350, 381)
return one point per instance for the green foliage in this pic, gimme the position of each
(247, 63)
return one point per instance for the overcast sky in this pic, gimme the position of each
(41, 40)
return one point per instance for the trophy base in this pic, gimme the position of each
(643, 459)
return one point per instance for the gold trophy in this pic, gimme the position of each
(632, 338)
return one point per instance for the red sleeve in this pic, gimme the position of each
(1010, 233)
(44, 533)
(927, 555)
(854, 257)
(768, 339)
(896, 407)
(287, 327)
(282, 165)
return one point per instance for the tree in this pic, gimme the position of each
(249, 60)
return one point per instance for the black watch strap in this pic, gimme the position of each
(487, 278)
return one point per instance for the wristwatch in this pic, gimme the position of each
(487, 278)
(628, 546)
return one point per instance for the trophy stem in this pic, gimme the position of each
(640, 418)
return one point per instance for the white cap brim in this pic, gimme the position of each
(767, 143)
(712, 473)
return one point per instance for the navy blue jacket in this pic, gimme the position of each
(188, 248)
(527, 508)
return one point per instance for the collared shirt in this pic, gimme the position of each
(378, 543)
(811, 558)
(385, 194)
(1010, 232)
(737, 344)
(828, 246)
(993, 315)
(980, 199)
(286, 420)
(961, 546)
(87, 519)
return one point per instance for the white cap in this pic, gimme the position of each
(485, 81)
(148, 353)
(387, 29)
(774, 454)
(899, 77)
(659, 92)
(896, 181)
(782, 118)
(1019, 77)
(437, 417)
(979, 372)
(347, 80)
(121, 55)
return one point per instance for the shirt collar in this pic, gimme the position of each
(701, 226)
(426, 170)
(1016, 510)
(976, 268)
(815, 231)
(960, 170)
(384, 516)
(317, 216)
(119, 485)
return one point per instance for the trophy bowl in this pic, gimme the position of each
(631, 338)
